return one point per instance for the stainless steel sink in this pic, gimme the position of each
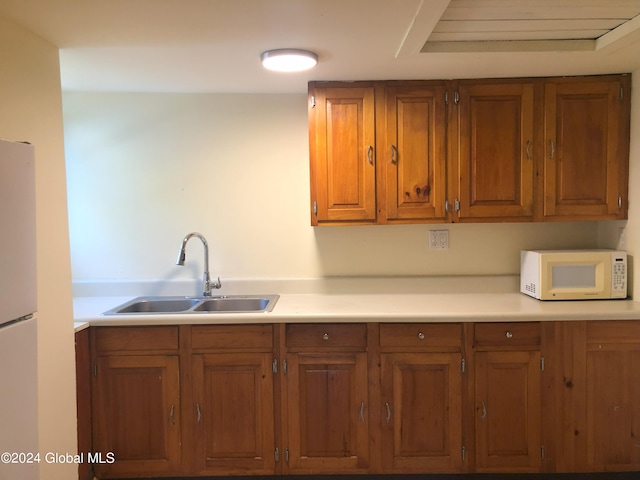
(195, 305)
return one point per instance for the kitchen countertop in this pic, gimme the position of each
(375, 307)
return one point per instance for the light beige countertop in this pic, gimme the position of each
(447, 299)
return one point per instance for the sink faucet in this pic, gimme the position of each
(207, 285)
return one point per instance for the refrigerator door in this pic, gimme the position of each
(17, 231)
(19, 401)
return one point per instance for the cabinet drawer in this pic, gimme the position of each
(111, 339)
(420, 335)
(228, 337)
(327, 335)
(613, 331)
(507, 334)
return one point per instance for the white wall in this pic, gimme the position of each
(145, 169)
(31, 109)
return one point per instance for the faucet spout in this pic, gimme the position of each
(207, 284)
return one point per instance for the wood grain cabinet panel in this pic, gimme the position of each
(136, 414)
(234, 410)
(422, 412)
(343, 154)
(415, 152)
(586, 148)
(495, 160)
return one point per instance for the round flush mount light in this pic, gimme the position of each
(289, 60)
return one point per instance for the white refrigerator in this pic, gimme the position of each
(18, 305)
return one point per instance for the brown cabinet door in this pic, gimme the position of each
(508, 411)
(422, 412)
(234, 416)
(495, 151)
(136, 408)
(342, 148)
(415, 155)
(586, 149)
(327, 413)
(613, 396)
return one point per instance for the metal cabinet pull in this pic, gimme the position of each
(394, 155)
(484, 411)
(198, 412)
(386, 404)
(528, 149)
(325, 337)
(172, 418)
(362, 411)
(370, 154)
(552, 149)
(421, 336)
(508, 335)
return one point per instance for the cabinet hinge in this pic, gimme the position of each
(315, 208)
(313, 101)
(275, 366)
(284, 367)
(456, 97)
(462, 365)
(542, 452)
(286, 455)
(542, 364)
(621, 93)
(619, 202)
(464, 453)
(276, 455)
(446, 206)
(456, 205)
(446, 98)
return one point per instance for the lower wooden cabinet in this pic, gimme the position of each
(421, 398)
(302, 399)
(327, 403)
(136, 414)
(507, 385)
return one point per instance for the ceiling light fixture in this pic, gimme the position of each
(288, 60)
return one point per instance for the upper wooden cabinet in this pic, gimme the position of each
(586, 146)
(492, 151)
(414, 152)
(536, 149)
(343, 149)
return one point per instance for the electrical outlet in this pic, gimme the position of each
(438, 239)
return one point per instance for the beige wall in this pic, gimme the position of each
(145, 169)
(32, 110)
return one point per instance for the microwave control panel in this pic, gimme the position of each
(618, 276)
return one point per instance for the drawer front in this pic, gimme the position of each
(228, 337)
(327, 335)
(613, 331)
(507, 334)
(112, 339)
(420, 335)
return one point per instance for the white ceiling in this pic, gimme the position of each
(215, 45)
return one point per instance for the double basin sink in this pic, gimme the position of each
(194, 305)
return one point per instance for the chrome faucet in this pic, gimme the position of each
(207, 285)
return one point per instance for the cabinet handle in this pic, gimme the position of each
(552, 149)
(386, 404)
(484, 411)
(362, 411)
(528, 149)
(508, 335)
(394, 155)
(370, 154)
(198, 412)
(421, 336)
(325, 337)
(172, 419)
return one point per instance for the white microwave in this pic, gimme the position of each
(573, 274)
